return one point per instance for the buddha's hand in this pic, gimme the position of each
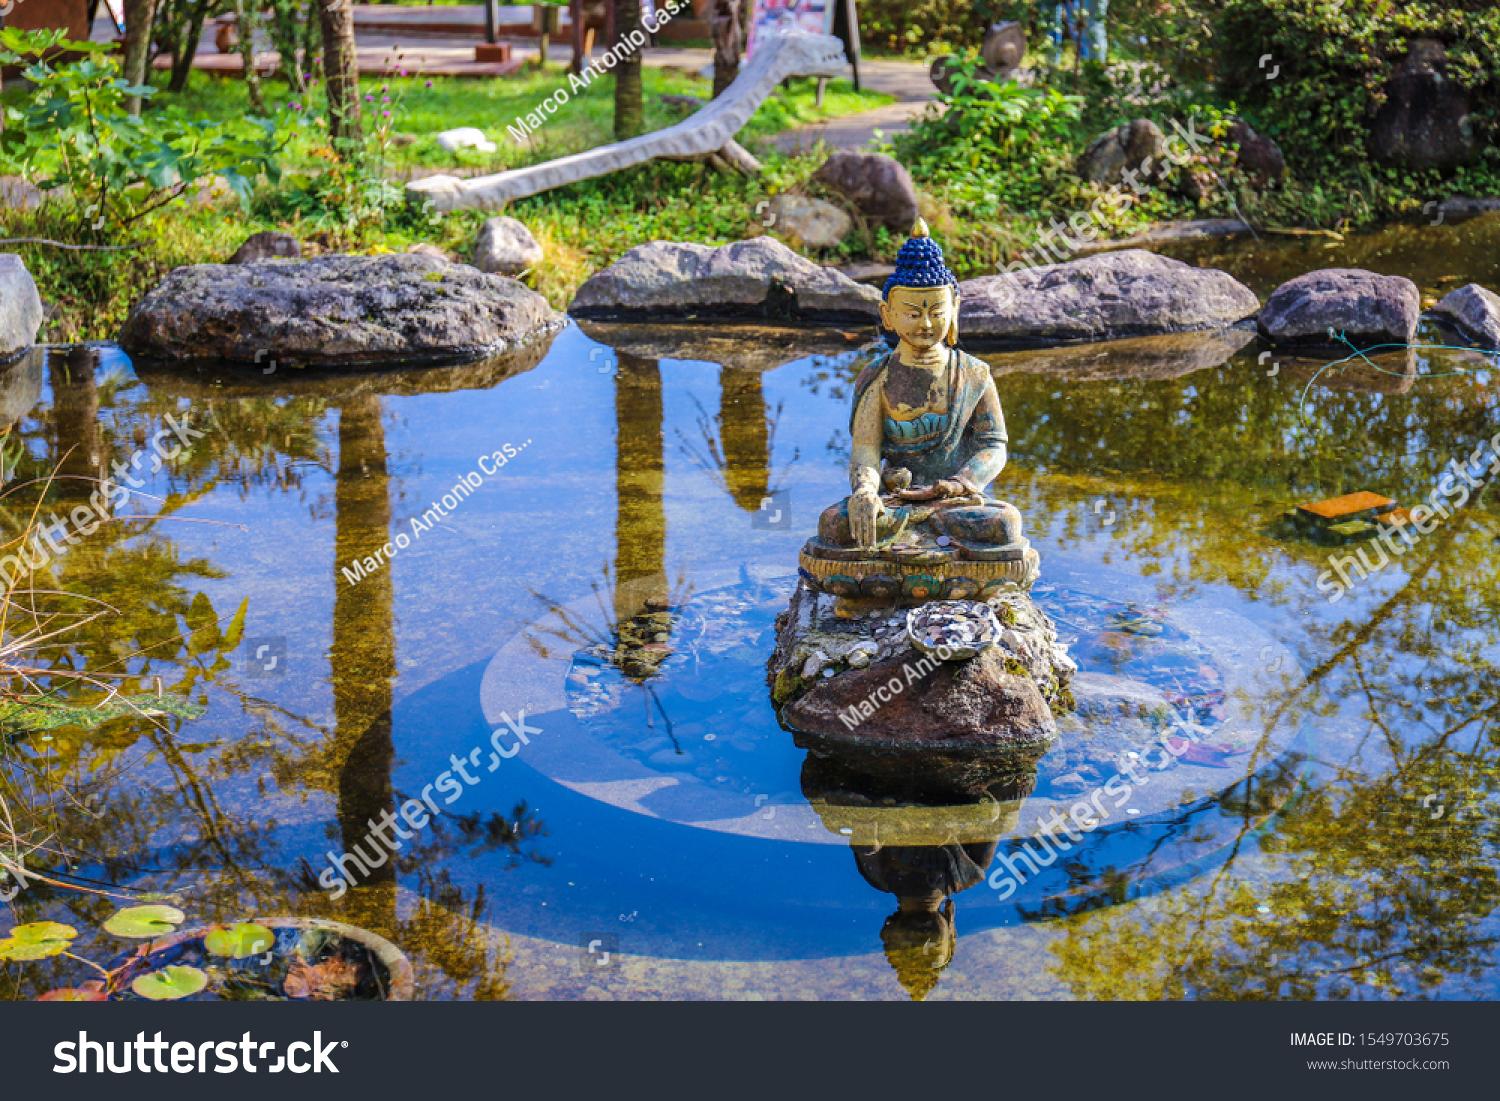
(864, 512)
(943, 487)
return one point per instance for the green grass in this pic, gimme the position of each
(420, 109)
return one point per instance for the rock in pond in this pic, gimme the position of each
(335, 311)
(1460, 208)
(267, 245)
(21, 311)
(879, 187)
(506, 247)
(1102, 297)
(1365, 307)
(1474, 311)
(950, 726)
(756, 279)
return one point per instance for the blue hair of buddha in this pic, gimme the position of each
(919, 264)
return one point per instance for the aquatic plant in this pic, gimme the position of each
(40, 940)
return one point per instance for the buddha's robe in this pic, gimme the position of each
(963, 440)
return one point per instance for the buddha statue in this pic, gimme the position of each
(928, 437)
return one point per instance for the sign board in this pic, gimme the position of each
(811, 16)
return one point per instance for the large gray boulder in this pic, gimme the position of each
(1366, 308)
(506, 247)
(334, 311)
(1101, 297)
(1475, 311)
(1424, 121)
(20, 307)
(877, 186)
(756, 279)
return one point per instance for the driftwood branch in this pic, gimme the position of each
(64, 244)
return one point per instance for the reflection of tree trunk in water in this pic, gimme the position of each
(363, 659)
(640, 472)
(746, 437)
(78, 441)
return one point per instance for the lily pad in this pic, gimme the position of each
(73, 994)
(143, 922)
(38, 940)
(239, 942)
(170, 983)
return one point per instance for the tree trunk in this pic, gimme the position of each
(629, 113)
(728, 23)
(340, 72)
(187, 49)
(244, 25)
(139, 16)
(287, 26)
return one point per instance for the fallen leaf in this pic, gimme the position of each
(332, 980)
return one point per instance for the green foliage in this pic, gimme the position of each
(39, 713)
(1334, 58)
(73, 134)
(997, 145)
(921, 26)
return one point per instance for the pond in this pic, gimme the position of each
(578, 614)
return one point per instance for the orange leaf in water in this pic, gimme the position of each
(330, 981)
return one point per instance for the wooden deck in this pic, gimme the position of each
(425, 41)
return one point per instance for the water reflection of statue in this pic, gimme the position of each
(923, 853)
(920, 936)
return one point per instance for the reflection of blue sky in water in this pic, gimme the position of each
(704, 711)
(1396, 685)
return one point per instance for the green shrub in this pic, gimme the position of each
(997, 145)
(73, 135)
(1334, 57)
(920, 27)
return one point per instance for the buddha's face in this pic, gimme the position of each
(920, 316)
